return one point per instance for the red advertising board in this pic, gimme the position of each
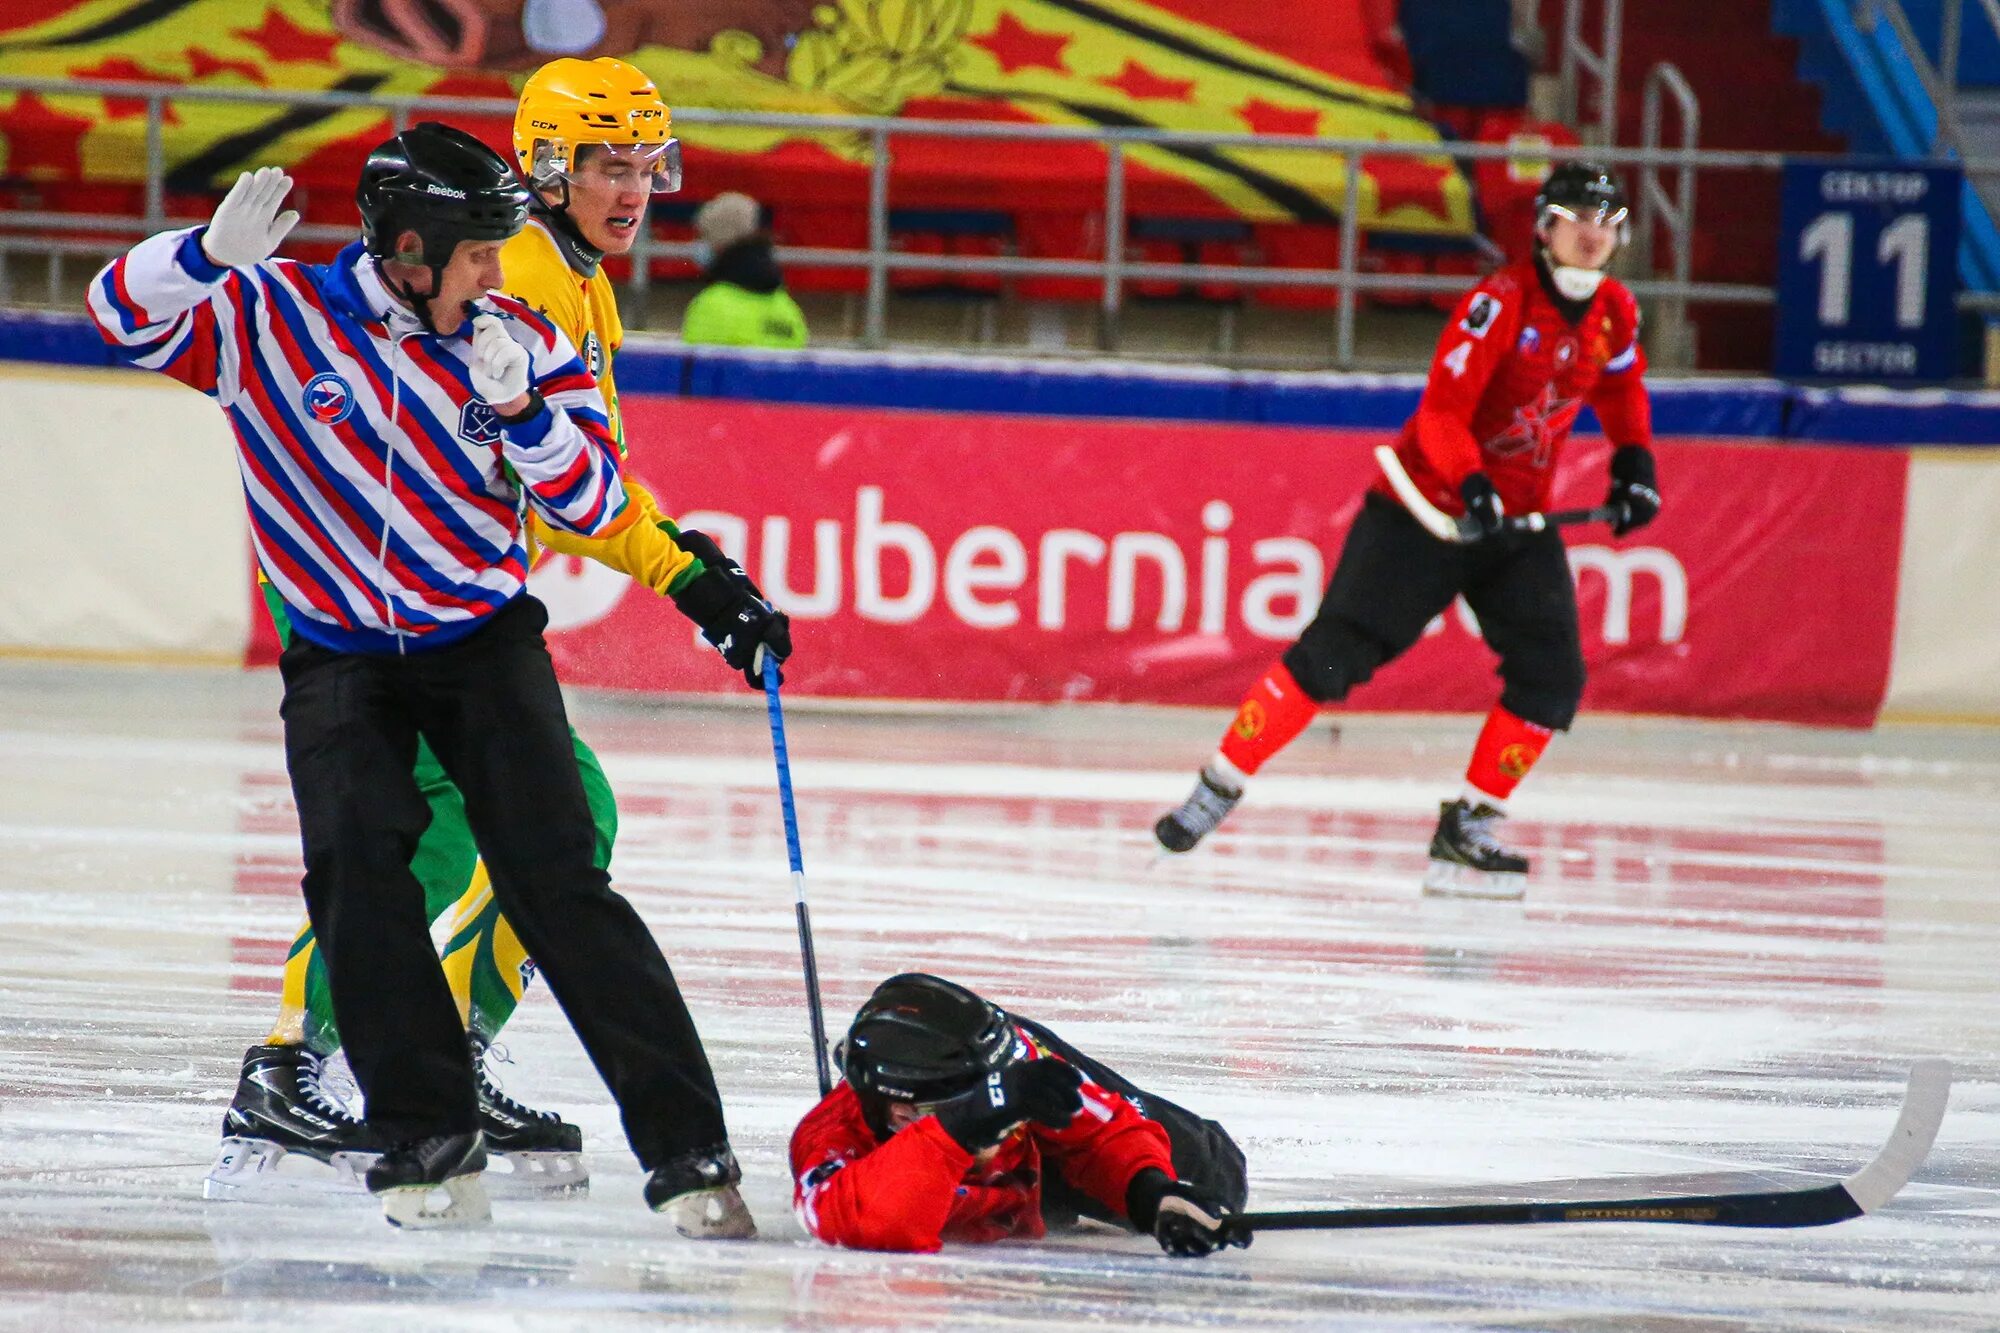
(985, 557)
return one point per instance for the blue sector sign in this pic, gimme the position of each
(1867, 268)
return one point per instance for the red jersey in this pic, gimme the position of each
(1510, 378)
(920, 1188)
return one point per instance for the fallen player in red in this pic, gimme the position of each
(956, 1121)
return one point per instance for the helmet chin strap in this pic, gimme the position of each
(419, 302)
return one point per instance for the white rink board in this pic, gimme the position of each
(1736, 940)
(130, 537)
(1946, 659)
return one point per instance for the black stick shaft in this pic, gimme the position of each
(1563, 518)
(817, 1014)
(1816, 1206)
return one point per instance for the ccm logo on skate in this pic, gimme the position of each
(328, 399)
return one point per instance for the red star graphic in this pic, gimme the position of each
(282, 39)
(1535, 424)
(1018, 47)
(1269, 118)
(1141, 84)
(42, 142)
(203, 64)
(126, 70)
(1401, 181)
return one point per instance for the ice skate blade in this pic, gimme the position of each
(416, 1207)
(716, 1214)
(536, 1175)
(1449, 879)
(247, 1170)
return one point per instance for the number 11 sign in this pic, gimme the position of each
(1867, 267)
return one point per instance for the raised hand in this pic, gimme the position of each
(247, 227)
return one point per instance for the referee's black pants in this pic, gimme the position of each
(1394, 578)
(493, 714)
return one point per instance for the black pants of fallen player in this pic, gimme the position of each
(493, 714)
(1394, 578)
(1203, 1151)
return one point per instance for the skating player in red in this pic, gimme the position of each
(1521, 356)
(958, 1122)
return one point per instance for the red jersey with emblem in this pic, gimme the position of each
(920, 1189)
(1511, 375)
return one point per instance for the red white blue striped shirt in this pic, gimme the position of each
(386, 499)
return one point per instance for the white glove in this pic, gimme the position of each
(247, 227)
(499, 364)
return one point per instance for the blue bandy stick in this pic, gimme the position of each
(777, 712)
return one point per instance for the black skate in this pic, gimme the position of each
(697, 1192)
(285, 1130)
(410, 1177)
(538, 1152)
(1467, 860)
(1206, 806)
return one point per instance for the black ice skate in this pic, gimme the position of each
(538, 1153)
(1206, 806)
(1467, 860)
(285, 1130)
(697, 1193)
(432, 1183)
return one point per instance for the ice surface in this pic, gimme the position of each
(1736, 939)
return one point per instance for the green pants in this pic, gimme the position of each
(482, 957)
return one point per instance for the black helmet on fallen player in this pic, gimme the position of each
(921, 1039)
(445, 186)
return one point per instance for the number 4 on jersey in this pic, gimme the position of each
(1457, 357)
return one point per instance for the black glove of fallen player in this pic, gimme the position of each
(731, 610)
(1482, 507)
(1635, 489)
(1184, 1217)
(1044, 1091)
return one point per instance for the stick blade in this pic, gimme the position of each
(1910, 1142)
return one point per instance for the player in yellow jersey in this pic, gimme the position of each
(594, 140)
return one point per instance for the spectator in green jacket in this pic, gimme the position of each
(743, 301)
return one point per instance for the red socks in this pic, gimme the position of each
(1276, 710)
(1272, 713)
(1507, 749)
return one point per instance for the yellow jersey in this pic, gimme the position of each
(563, 281)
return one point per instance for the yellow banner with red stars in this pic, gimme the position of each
(1227, 65)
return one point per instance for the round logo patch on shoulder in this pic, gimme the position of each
(328, 398)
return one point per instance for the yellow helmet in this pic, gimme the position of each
(570, 102)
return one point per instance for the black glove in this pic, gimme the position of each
(731, 610)
(1044, 1091)
(1483, 517)
(1184, 1217)
(1635, 489)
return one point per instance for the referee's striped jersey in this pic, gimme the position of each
(386, 499)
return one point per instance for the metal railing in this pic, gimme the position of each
(1672, 212)
(879, 261)
(1577, 58)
